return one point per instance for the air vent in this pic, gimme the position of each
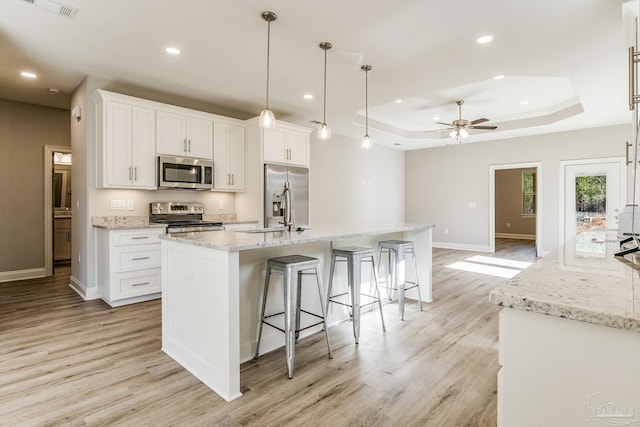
(52, 6)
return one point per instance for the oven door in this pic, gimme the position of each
(186, 173)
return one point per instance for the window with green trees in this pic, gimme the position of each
(529, 193)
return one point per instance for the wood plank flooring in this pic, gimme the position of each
(64, 361)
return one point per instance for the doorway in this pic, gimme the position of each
(592, 196)
(57, 207)
(530, 197)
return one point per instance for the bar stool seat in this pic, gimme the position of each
(292, 268)
(397, 251)
(354, 256)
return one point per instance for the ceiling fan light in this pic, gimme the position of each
(324, 132)
(267, 120)
(464, 133)
(453, 133)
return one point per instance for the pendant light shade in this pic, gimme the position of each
(366, 141)
(267, 118)
(324, 132)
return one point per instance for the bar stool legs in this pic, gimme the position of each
(398, 251)
(354, 257)
(293, 268)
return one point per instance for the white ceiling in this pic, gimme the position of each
(567, 58)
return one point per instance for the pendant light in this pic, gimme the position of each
(366, 142)
(267, 119)
(324, 132)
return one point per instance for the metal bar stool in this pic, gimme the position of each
(397, 251)
(291, 266)
(354, 256)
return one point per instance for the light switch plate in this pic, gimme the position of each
(130, 205)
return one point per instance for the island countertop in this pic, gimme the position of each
(232, 241)
(583, 281)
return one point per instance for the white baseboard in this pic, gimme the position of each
(460, 246)
(515, 236)
(84, 292)
(31, 273)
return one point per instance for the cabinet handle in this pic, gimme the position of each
(140, 284)
(633, 60)
(189, 145)
(627, 153)
(135, 173)
(130, 178)
(184, 145)
(228, 179)
(139, 258)
(233, 179)
(139, 237)
(68, 236)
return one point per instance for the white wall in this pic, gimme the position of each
(440, 182)
(352, 185)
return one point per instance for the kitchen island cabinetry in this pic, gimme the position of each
(569, 338)
(126, 142)
(187, 134)
(228, 157)
(212, 284)
(129, 268)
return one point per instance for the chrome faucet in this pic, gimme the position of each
(287, 207)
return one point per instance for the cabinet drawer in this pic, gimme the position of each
(137, 283)
(135, 257)
(136, 237)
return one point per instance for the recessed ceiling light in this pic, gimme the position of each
(308, 96)
(28, 75)
(173, 50)
(524, 102)
(398, 101)
(54, 90)
(436, 118)
(499, 77)
(484, 39)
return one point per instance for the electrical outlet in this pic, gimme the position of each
(130, 205)
(118, 205)
(446, 231)
(78, 258)
(508, 225)
(472, 204)
(221, 204)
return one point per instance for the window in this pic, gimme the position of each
(528, 193)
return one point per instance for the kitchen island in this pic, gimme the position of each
(212, 285)
(569, 341)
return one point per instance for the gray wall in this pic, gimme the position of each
(440, 182)
(509, 204)
(24, 131)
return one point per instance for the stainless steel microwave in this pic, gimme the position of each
(185, 173)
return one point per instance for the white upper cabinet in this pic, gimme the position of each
(184, 135)
(126, 143)
(228, 157)
(286, 146)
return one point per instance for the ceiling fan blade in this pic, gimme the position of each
(446, 124)
(484, 127)
(476, 121)
(436, 130)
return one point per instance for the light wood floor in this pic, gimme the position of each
(68, 362)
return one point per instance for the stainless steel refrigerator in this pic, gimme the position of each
(275, 177)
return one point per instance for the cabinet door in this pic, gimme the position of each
(221, 143)
(274, 145)
(236, 157)
(62, 239)
(144, 148)
(298, 144)
(171, 132)
(117, 148)
(199, 138)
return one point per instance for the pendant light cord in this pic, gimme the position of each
(324, 107)
(268, 56)
(366, 101)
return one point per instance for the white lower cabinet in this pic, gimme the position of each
(129, 265)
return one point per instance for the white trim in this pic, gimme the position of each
(562, 178)
(48, 206)
(84, 292)
(515, 236)
(30, 273)
(492, 202)
(461, 246)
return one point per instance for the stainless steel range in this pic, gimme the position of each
(181, 217)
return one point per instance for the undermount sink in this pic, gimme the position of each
(263, 230)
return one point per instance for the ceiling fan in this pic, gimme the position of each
(459, 127)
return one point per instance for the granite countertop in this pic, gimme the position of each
(582, 280)
(124, 222)
(232, 241)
